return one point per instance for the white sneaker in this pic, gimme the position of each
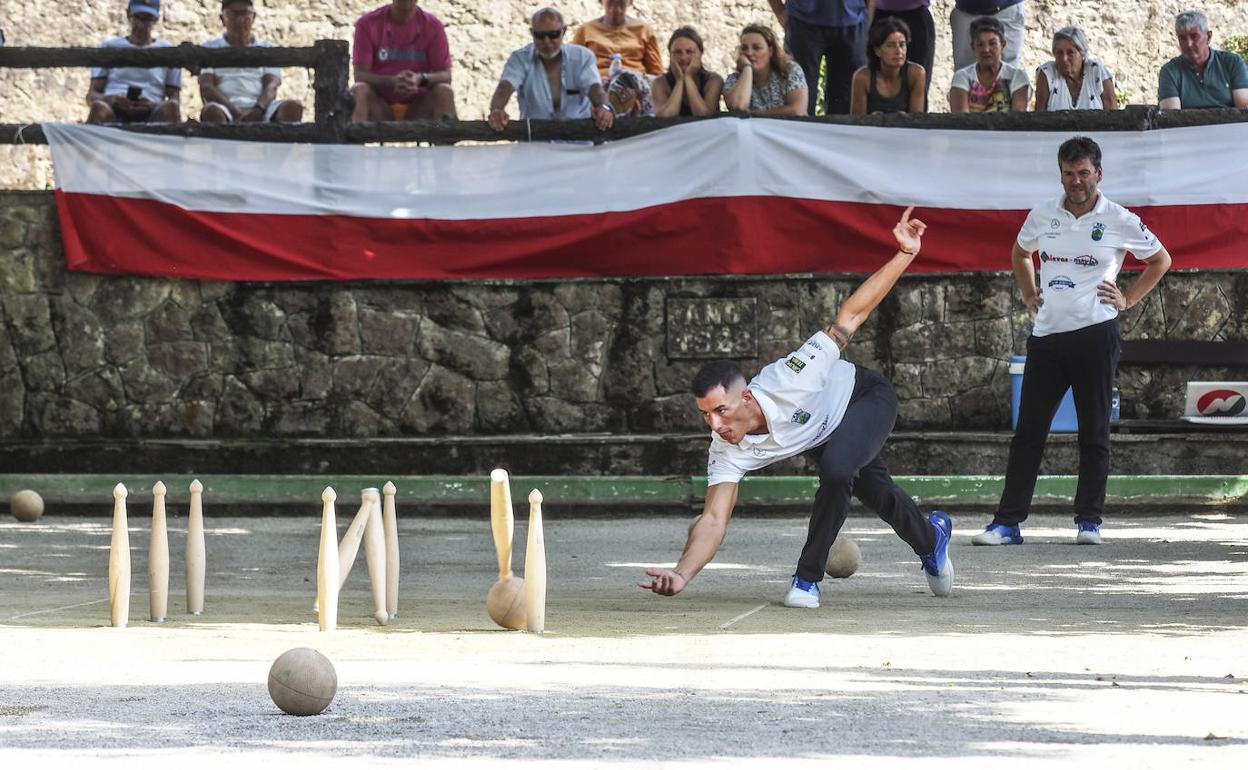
(803, 594)
(998, 534)
(1089, 534)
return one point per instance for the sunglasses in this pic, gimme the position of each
(550, 34)
(144, 17)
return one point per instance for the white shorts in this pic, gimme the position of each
(269, 111)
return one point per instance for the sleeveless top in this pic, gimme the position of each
(699, 78)
(898, 103)
(1089, 97)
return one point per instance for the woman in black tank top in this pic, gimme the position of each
(686, 88)
(889, 83)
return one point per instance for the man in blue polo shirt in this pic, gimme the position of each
(835, 29)
(1199, 76)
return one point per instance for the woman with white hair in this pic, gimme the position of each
(1073, 80)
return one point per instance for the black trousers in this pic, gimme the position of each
(922, 48)
(850, 464)
(846, 51)
(1085, 361)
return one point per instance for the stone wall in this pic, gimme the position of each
(86, 356)
(1133, 37)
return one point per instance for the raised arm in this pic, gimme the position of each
(854, 311)
(705, 537)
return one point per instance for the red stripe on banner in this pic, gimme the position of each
(742, 235)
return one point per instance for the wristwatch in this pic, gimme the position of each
(606, 106)
(424, 79)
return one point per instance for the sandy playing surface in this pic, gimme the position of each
(1130, 654)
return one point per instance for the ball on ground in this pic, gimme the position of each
(843, 558)
(505, 603)
(302, 682)
(26, 505)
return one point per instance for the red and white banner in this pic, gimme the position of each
(720, 196)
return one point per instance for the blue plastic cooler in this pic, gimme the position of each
(1064, 421)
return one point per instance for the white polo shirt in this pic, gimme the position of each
(803, 396)
(1076, 254)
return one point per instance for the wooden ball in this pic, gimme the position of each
(26, 505)
(302, 682)
(843, 558)
(505, 603)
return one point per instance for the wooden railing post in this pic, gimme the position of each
(333, 68)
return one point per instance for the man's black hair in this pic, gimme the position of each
(724, 373)
(1077, 148)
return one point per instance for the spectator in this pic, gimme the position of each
(766, 81)
(890, 82)
(831, 29)
(1201, 76)
(922, 48)
(618, 33)
(243, 94)
(532, 70)
(1013, 22)
(135, 94)
(1072, 81)
(990, 84)
(687, 88)
(402, 65)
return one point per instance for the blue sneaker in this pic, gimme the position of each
(937, 564)
(802, 593)
(999, 534)
(1089, 533)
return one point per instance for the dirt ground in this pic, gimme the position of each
(1126, 655)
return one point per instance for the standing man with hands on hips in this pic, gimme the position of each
(1083, 239)
(812, 398)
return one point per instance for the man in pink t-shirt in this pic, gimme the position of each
(402, 65)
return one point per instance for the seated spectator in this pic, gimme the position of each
(687, 88)
(135, 94)
(402, 66)
(552, 80)
(1073, 81)
(627, 51)
(1010, 13)
(991, 84)
(243, 94)
(918, 16)
(889, 82)
(766, 82)
(1201, 76)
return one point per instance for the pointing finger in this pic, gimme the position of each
(905, 216)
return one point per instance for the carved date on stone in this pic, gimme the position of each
(712, 328)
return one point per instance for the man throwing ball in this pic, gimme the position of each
(812, 398)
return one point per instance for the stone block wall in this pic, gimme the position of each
(88, 356)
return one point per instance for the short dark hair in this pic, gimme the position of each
(722, 373)
(987, 24)
(1077, 148)
(881, 31)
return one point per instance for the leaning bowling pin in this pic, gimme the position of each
(391, 520)
(158, 558)
(327, 564)
(195, 551)
(502, 520)
(375, 556)
(119, 562)
(535, 568)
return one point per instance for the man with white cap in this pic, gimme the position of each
(136, 94)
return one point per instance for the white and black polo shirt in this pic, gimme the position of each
(1076, 254)
(803, 396)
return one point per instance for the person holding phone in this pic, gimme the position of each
(135, 94)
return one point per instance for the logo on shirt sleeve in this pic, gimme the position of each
(796, 364)
(801, 417)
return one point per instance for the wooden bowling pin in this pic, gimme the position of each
(327, 564)
(375, 555)
(119, 562)
(535, 568)
(158, 558)
(196, 554)
(502, 520)
(391, 520)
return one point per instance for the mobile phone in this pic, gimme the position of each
(134, 93)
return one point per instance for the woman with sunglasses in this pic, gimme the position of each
(686, 88)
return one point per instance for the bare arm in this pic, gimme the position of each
(268, 91)
(1240, 98)
(667, 99)
(777, 7)
(959, 100)
(737, 98)
(1170, 103)
(95, 92)
(918, 88)
(1109, 293)
(1042, 92)
(208, 92)
(707, 102)
(858, 92)
(1019, 99)
(497, 117)
(1109, 97)
(1025, 277)
(365, 75)
(854, 311)
(704, 541)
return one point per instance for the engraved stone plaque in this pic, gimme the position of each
(712, 328)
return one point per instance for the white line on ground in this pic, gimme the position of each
(58, 609)
(742, 616)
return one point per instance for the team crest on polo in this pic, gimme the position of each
(801, 417)
(1098, 231)
(796, 364)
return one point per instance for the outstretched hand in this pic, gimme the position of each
(665, 582)
(909, 232)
